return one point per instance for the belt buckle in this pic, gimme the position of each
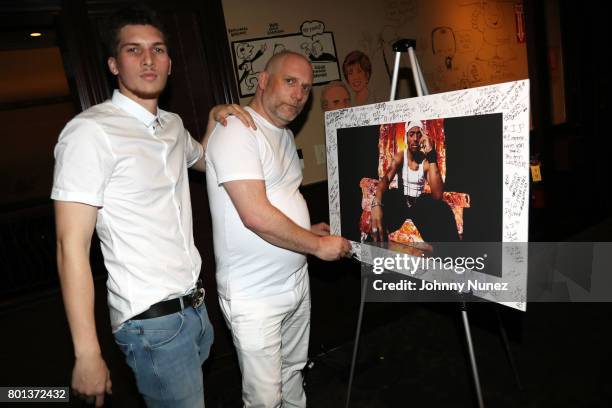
(197, 297)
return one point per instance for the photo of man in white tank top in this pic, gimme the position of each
(416, 164)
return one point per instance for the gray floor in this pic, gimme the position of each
(410, 354)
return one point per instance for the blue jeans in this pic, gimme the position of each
(166, 355)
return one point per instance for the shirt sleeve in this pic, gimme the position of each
(83, 163)
(193, 149)
(233, 152)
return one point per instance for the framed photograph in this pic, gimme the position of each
(408, 175)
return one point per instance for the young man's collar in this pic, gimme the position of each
(135, 109)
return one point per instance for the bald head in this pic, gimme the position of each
(283, 88)
(278, 59)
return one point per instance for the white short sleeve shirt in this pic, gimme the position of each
(247, 265)
(132, 165)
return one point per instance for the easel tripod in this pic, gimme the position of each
(403, 46)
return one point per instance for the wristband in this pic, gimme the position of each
(432, 157)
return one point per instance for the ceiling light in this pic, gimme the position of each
(35, 34)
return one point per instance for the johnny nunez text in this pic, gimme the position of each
(434, 285)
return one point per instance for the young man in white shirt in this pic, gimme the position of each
(121, 167)
(261, 234)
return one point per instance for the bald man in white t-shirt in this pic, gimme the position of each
(262, 234)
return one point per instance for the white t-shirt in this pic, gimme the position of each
(132, 165)
(247, 265)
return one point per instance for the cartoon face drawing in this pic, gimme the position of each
(443, 43)
(317, 49)
(278, 48)
(244, 50)
(357, 77)
(246, 57)
(493, 15)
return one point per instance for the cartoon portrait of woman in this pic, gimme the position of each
(357, 70)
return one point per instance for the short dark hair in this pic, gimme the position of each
(357, 57)
(136, 14)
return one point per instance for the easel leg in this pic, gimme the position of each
(356, 346)
(468, 336)
(504, 337)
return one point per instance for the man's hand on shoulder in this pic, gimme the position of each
(220, 113)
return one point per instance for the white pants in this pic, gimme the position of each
(271, 339)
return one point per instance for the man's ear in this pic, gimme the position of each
(262, 79)
(169, 66)
(112, 65)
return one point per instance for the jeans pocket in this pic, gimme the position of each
(160, 331)
(123, 336)
(126, 347)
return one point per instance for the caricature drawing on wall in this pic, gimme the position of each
(244, 52)
(489, 19)
(312, 41)
(314, 52)
(278, 48)
(443, 44)
(357, 70)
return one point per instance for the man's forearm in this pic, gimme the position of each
(74, 225)
(435, 181)
(382, 186)
(278, 229)
(210, 126)
(78, 294)
(383, 183)
(268, 222)
(264, 219)
(200, 165)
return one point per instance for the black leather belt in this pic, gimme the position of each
(166, 307)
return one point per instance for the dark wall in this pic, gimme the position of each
(201, 78)
(568, 171)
